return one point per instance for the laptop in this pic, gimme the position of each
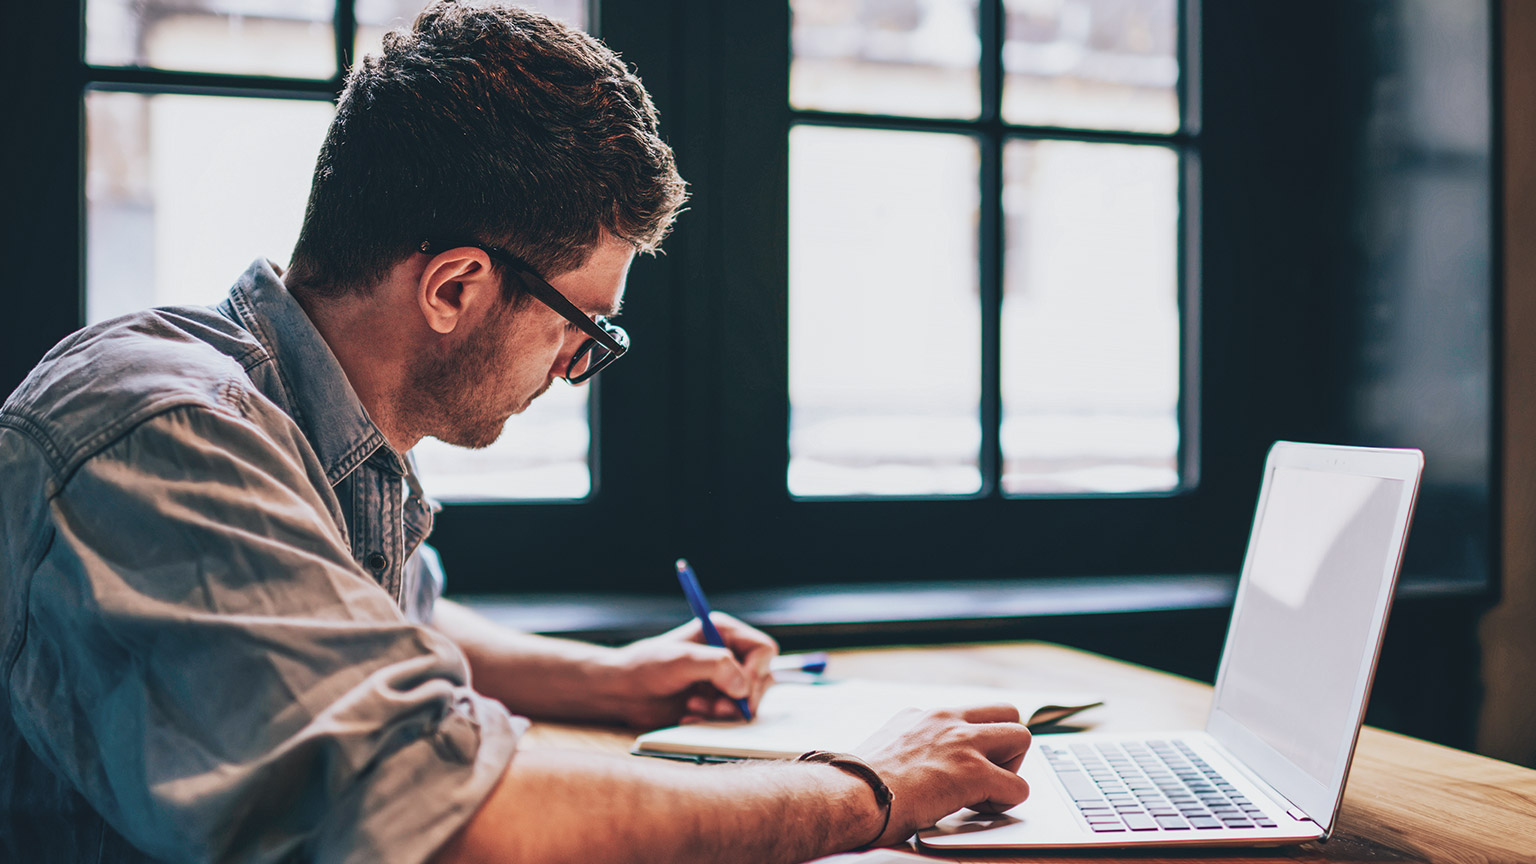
(1269, 767)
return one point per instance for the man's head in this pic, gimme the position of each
(495, 357)
(482, 126)
(485, 123)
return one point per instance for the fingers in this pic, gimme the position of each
(700, 681)
(700, 706)
(741, 636)
(999, 712)
(710, 706)
(758, 665)
(1002, 743)
(1005, 791)
(755, 651)
(704, 664)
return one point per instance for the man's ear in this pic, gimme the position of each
(458, 285)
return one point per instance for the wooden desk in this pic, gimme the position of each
(1407, 800)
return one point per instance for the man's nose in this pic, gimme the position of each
(567, 364)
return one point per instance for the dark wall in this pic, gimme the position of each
(1350, 245)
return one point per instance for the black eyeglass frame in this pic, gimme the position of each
(600, 330)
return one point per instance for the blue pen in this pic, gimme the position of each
(700, 608)
(813, 663)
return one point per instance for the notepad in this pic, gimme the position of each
(839, 715)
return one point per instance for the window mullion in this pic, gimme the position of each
(990, 273)
(990, 244)
(346, 38)
(990, 16)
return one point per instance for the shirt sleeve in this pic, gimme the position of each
(204, 662)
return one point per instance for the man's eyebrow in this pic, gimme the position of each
(607, 311)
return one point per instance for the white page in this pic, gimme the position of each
(838, 715)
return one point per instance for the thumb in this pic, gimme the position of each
(717, 666)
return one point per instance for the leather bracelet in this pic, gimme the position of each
(860, 769)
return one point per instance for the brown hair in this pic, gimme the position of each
(487, 123)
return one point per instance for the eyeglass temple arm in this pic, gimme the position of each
(546, 293)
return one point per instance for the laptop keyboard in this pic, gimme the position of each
(1150, 786)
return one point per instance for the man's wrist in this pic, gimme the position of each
(864, 792)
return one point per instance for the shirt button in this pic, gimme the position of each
(376, 562)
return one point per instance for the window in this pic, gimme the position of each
(984, 247)
(194, 166)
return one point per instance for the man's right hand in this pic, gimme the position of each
(937, 762)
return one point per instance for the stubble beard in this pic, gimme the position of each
(446, 393)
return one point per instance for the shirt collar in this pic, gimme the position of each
(320, 398)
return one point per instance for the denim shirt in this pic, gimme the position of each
(212, 604)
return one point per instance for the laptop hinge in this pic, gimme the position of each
(1291, 809)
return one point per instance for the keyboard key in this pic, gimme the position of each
(1101, 828)
(1204, 822)
(1139, 822)
(1264, 823)
(1237, 823)
(1078, 785)
(1171, 823)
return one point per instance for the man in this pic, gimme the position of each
(222, 635)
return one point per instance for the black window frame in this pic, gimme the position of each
(691, 432)
(712, 417)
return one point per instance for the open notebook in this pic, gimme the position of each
(838, 715)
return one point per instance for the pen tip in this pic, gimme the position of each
(682, 564)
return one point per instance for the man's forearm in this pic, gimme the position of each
(555, 805)
(533, 675)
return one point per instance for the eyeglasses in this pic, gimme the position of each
(606, 341)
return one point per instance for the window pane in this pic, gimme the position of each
(884, 321)
(183, 192)
(1090, 318)
(1096, 64)
(286, 38)
(541, 454)
(904, 57)
(377, 17)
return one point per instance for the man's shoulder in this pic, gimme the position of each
(102, 381)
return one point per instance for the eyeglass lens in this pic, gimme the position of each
(589, 358)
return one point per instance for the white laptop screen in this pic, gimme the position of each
(1302, 644)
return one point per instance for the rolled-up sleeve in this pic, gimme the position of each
(204, 662)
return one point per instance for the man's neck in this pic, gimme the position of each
(372, 359)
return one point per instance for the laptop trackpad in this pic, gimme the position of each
(1045, 818)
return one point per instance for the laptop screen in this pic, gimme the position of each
(1302, 644)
